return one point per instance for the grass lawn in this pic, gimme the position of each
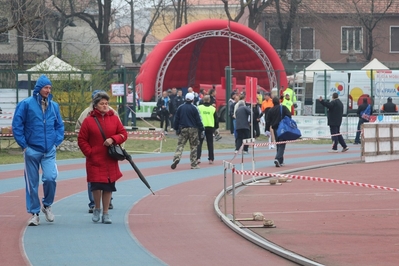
(11, 153)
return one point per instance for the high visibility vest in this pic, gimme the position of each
(207, 115)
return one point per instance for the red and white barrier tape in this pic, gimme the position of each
(145, 132)
(319, 179)
(146, 138)
(5, 117)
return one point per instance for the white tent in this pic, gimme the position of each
(54, 64)
(316, 66)
(375, 65)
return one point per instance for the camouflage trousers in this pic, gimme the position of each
(190, 134)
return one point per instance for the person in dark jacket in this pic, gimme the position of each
(362, 108)
(255, 119)
(38, 129)
(334, 117)
(242, 114)
(389, 106)
(273, 118)
(164, 107)
(187, 125)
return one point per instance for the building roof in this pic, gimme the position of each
(337, 7)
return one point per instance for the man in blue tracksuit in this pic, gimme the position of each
(38, 129)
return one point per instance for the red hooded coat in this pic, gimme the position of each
(100, 167)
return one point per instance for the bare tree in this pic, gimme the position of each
(255, 10)
(369, 15)
(137, 57)
(98, 16)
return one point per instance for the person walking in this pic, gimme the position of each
(267, 104)
(187, 124)
(102, 171)
(86, 112)
(38, 129)
(334, 118)
(364, 108)
(164, 107)
(242, 114)
(231, 104)
(273, 119)
(210, 121)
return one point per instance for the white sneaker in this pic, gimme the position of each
(48, 213)
(34, 220)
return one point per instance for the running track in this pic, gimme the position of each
(177, 226)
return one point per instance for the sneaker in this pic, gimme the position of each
(166, 133)
(48, 213)
(333, 151)
(34, 220)
(195, 167)
(210, 162)
(174, 164)
(96, 215)
(106, 219)
(345, 149)
(91, 209)
(235, 151)
(245, 152)
(277, 163)
(198, 161)
(356, 143)
(110, 205)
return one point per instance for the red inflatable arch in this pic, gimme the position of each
(198, 53)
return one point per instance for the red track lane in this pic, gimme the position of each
(188, 231)
(333, 224)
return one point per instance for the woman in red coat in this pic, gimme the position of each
(102, 170)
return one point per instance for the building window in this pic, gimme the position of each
(307, 51)
(4, 38)
(351, 39)
(275, 39)
(394, 39)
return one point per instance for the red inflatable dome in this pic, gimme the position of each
(198, 53)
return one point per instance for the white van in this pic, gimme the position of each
(352, 86)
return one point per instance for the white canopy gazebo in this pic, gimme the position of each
(307, 75)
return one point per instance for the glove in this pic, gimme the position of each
(217, 132)
(267, 134)
(202, 136)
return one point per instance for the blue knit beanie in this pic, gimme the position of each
(41, 82)
(95, 92)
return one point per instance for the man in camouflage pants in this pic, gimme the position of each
(187, 124)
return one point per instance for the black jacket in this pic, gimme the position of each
(187, 115)
(275, 115)
(389, 107)
(335, 112)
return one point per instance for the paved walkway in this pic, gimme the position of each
(178, 225)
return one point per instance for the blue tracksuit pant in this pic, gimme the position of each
(33, 161)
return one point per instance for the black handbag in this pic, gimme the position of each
(114, 151)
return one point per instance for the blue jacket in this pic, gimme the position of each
(31, 127)
(187, 115)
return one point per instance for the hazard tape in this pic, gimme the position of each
(144, 132)
(10, 113)
(147, 138)
(319, 179)
(5, 117)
